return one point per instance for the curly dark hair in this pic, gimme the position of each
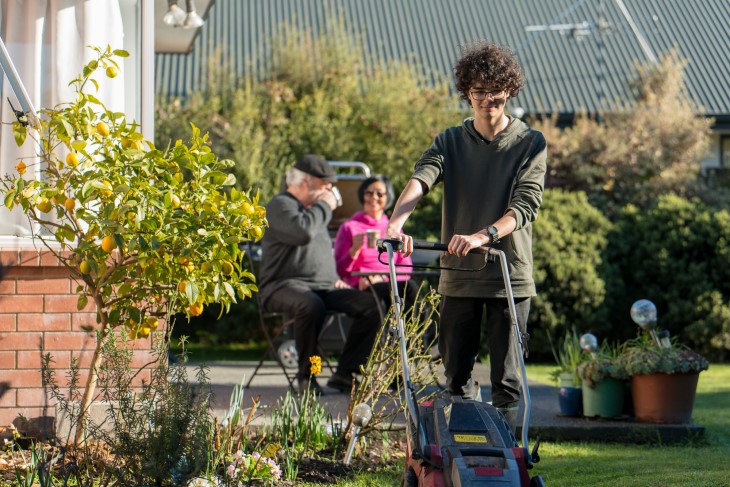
(493, 65)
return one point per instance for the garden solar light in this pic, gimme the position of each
(643, 312)
(589, 343)
(361, 415)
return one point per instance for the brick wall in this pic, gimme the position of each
(38, 306)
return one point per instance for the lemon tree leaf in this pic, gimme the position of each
(20, 132)
(82, 302)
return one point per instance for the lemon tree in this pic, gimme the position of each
(146, 231)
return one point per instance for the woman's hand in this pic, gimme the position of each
(367, 281)
(357, 242)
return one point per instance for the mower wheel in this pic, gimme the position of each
(537, 481)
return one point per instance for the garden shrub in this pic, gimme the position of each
(677, 254)
(569, 240)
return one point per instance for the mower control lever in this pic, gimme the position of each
(535, 456)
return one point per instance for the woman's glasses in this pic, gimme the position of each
(375, 193)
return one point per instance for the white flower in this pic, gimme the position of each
(200, 482)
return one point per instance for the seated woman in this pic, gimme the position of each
(355, 249)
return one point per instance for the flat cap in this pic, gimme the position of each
(316, 166)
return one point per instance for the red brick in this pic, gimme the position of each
(82, 321)
(28, 258)
(27, 340)
(48, 259)
(7, 322)
(46, 285)
(7, 360)
(32, 359)
(8, 399)
(142, 358)
(8, 416)
(69, 341)
(21, 304)
(7, 286)
(83, 357)
(44, 322)
(64, 304)
(25, 378)
(35, 397)
(9, 257)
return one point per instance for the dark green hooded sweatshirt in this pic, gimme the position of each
(482, 180)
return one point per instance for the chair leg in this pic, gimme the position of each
(271, 351)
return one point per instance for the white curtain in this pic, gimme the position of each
(47, 41)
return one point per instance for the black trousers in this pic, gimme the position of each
(308, 308)
(460, 335)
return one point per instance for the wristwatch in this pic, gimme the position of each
(493, 234)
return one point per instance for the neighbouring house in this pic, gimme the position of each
(46, 41)
(578, 54)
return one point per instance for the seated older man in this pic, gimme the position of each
(298, 275)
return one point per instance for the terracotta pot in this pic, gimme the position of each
(664, 398)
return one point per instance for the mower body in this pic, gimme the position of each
(469, 444)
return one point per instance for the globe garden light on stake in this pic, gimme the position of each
(644, 314)
(361, 416)
(589, 343)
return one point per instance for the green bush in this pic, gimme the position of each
(677, 254)
(569, 240)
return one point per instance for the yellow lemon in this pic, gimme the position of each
(112, 72)
(85, 267)
(133, 334)
(206, 267)
(143, 332)
(257, 232)
(195, 309)
(108, 244)
(72, 159)
(108, 191)
(248, 209)
(21, 167)
(102, 129)
(182, 285)
(69, 204)
(185, 262)
(227, 268)
(151, 322)
(175, 201)
(136, 144)
(45, 205)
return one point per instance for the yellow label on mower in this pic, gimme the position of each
(470, 438)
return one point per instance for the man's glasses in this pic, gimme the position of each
(480, 95)
(375, 193)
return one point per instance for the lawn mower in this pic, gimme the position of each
(452, 441)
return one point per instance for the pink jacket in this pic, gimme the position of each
(367, 260)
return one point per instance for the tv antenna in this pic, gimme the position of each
(583, 29)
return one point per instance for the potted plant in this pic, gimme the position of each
(603, 382)
(569, 355)
(663, 379)
(663, 373)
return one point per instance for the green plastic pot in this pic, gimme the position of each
(605, 400)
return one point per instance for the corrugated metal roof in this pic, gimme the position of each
(565, 73)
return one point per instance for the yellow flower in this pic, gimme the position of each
(316, 364)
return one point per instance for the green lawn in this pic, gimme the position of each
(617, 465)
(596, 464)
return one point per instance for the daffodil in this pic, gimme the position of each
(315, 364)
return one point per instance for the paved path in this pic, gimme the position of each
(546, 421)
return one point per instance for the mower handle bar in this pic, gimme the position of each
(423, 245)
